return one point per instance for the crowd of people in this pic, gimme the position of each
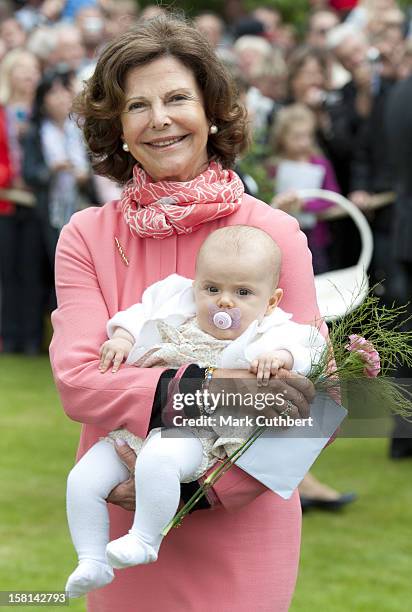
(328, 108)
(316, 103)
(319, 104)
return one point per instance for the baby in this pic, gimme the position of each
(227, 317)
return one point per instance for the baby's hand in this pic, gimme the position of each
(267, 365)
(115, 350)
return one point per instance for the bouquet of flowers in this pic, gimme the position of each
(367, 343)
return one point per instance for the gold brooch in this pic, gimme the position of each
(122, 253)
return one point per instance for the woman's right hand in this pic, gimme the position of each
(124, 494)
(292, 387)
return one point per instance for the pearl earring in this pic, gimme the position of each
(125, 147)
(213, 129)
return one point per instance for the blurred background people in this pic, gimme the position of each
(399, 130)
(212, 26)
(37, 13)
(320, 22)
(21, 246)
(271, 19)
(267, 92)
(341, 64)
(150, 11)
(120, 16)
(69, 48)
(56, 164)
(12, 34)
(72, 7)
(91, 24)
(299, 163)
(373, 63)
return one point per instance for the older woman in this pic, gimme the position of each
(160, 111)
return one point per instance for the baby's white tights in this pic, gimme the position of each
(161, 465)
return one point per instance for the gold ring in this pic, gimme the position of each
(289, 406)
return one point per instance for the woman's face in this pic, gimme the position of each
(163, 120)
(308, 77)
(12, 33)
(24, 76)
(57, 102)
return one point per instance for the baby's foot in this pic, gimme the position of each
(87, 576)
(129, 550)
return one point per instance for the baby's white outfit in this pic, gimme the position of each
(166, 333)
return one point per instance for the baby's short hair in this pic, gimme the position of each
(241, 238)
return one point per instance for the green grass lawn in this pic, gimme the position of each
(357, 560)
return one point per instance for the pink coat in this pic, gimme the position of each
(243, 554)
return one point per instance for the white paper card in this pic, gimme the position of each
(298, 175)
(280, 458)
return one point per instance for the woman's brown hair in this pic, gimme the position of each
(99, 105)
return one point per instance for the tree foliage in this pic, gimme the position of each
(190, 7)
(293, 11)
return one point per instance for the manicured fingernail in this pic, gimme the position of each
(120, 442)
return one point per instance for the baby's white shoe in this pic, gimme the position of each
(129, 550)
(87, 576)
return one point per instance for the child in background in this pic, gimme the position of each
(56, 163)
(298, 164)
(229, 318)
(64, 150)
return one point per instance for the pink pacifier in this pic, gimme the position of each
(224, 319)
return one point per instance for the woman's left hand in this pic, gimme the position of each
(293, 387)
(299, 383)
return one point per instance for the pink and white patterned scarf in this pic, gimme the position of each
(160, 209)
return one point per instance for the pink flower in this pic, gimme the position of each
(367, 353)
